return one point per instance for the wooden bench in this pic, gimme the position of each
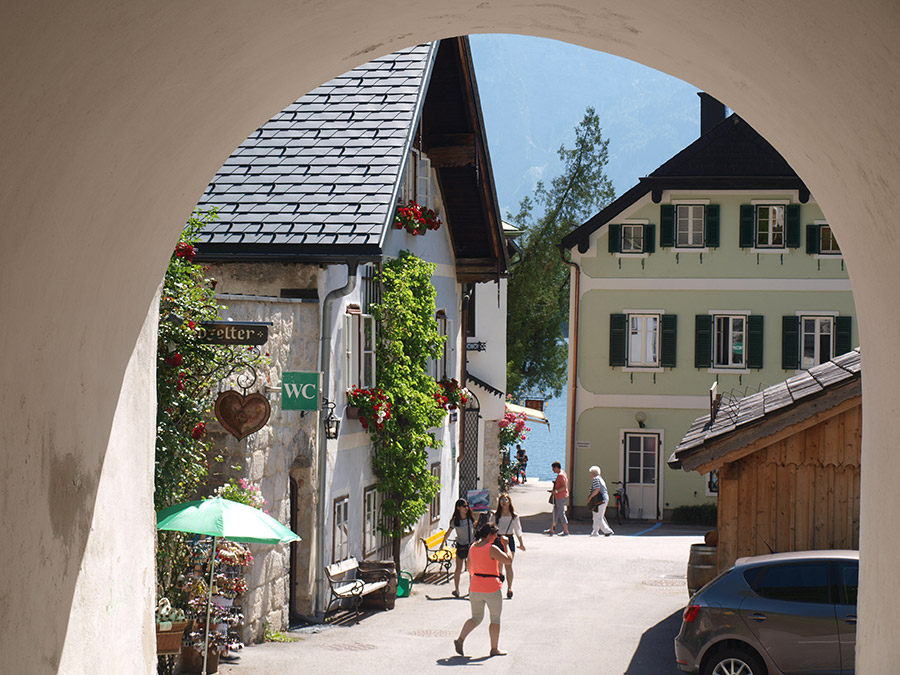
(437, 554)
(347, 587)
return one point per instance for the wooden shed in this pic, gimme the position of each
(788, 462)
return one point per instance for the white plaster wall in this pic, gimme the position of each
(109, 138)
(490, 327)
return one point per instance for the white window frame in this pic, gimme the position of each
(730, 317)
(642, 330)
(340, 529)
(693, 225)
(441, 368)
(417, 184)
(831, 252)
(817, 318)
(359, 356)
(632, 228)
(435, 508)
(770, 235)
(657, 459)
(372, 500)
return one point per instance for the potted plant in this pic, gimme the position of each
(373, 407)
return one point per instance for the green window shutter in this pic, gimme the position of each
(842, 335)
(812, 239)
(669, 340)
(666, 225)
(790, 342)
(755, 341)
(748, 229)
(702, 341)
(618, 330)
(712, 225)
(649, 238)
(792, 238)
(615, 238)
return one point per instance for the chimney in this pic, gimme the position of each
(711, 112)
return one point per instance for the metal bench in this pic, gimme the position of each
(347, 587)
(436, 554)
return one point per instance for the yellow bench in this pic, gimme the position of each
(436, 554)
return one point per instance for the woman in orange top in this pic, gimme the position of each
(485, 583)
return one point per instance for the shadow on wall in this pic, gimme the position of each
(655, 653)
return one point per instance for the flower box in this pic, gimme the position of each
(352, 412)
(192, 660)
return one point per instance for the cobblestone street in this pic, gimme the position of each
(604, 605)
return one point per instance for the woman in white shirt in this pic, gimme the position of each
(510, 529)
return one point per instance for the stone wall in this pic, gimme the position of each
(282, 451)
(491, 469)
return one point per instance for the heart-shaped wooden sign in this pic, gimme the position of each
(242, 415)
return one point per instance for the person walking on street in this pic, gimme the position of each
(597, 501)
(510, 528)
(463, 522)
(560, 495)
(484, 588)
(522, 458)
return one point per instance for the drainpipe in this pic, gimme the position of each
(322, 460)
(573, 385)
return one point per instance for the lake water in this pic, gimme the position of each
(545, 447)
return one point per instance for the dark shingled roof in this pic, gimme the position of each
(731, 155)
(805, 387)
(322, 176)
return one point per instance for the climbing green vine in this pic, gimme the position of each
(408, 339)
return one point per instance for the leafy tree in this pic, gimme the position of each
(408, 338)
(539, 283)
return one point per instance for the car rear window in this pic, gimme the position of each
(793, 582)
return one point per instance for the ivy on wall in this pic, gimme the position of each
(408, 339)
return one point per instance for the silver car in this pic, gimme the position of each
(773, 615)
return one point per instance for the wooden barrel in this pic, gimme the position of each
(701, 567)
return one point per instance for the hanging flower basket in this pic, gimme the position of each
(450, 394)
(352, 412)
(415, 219)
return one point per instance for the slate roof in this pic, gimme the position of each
(322, 176)
(731, 155)
(805, 387)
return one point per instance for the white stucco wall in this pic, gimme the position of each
(109, 137)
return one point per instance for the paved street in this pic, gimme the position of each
(605, 605)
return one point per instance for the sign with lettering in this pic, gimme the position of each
(300, 391)
(233, 333)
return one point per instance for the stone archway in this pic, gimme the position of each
(114, 117)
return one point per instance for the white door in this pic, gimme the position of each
(642, 474)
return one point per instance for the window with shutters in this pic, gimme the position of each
(770, 226)
(643, 340)
(632, 239)
(827, 243)
(816, 340)
(340, 537)
(359, 348)
(730, 339)
(690, 220)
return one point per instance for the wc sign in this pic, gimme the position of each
(300, 391)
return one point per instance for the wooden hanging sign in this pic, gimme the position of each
(242, 415)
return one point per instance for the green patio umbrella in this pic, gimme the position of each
(225, 519)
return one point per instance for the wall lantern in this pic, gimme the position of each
(640, 417)
(332, 423)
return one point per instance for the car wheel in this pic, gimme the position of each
(734, 661)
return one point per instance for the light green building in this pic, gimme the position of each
(718, 268)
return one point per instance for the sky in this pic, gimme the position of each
(534, 93)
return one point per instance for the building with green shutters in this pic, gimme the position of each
(717, 273)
